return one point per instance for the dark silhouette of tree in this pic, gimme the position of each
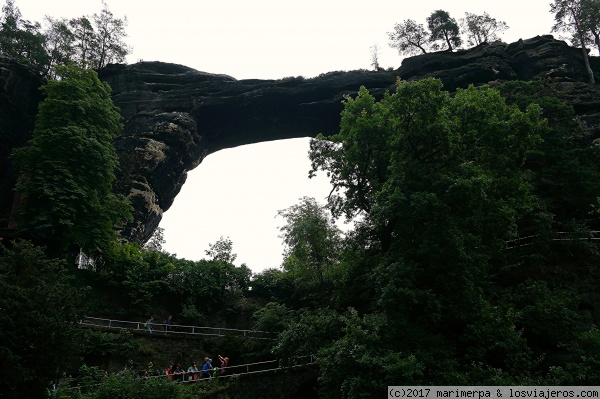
(155, 243)
(375, 57)
(481, 28)
(108, 39)
(443, 28)
(222, 250)
(409, 38)
(59, 44)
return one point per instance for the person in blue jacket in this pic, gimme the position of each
(206, 368)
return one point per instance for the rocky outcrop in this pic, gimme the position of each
(174, 116)
(19, 98)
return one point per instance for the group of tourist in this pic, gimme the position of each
(177, 373)
(148, 325)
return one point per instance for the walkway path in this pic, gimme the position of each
(270, 366)
(175, 329)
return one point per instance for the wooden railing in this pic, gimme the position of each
(174, 329)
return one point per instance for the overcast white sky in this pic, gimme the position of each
(236, 193)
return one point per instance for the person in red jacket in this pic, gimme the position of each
(169, 373)
(224, 363)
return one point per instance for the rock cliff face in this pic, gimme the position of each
(174, 116)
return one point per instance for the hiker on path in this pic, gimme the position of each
(193, 370)
(169, 372)
(206, 368)
(224, 363)
(148, 324)
(179, 374)
(168, 323)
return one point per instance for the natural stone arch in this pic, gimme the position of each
(174, 116)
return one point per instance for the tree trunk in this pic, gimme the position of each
(448, 41)
(586, 58)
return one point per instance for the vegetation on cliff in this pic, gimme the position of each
(472, 260)
(433, 286)
(88, 41)
(580, 19)
(68, 168)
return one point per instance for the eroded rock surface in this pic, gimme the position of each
(174, 116)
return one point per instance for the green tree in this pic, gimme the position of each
(88, 41)
(271, 285)
(562, 169)
(444, 28)
(83, 32)
(441, 183)
(409, 38)
(156, 241)
(98, 40)
(21, 39)
(128, 385)
(68, 167)
(59, 44)
(571, 16)
(306, 332)
(40, 308)
(590, 21)
(404, 153)
(482, 28)
(206, 285)
(109, 46)
(311, 239)
(347, 367)
(131, 269)
(221, 251)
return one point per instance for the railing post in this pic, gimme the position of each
(109, 324)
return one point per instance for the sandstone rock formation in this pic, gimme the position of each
(19, 98)
(174, 116)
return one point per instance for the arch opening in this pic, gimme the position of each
(236, 193)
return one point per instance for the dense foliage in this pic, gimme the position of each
(311, 243)
(42, 303)
(21, 39)
(88, 41)
(68, 168)
(445, 29)
(39, 306)
(468, 262)
(431, 288)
